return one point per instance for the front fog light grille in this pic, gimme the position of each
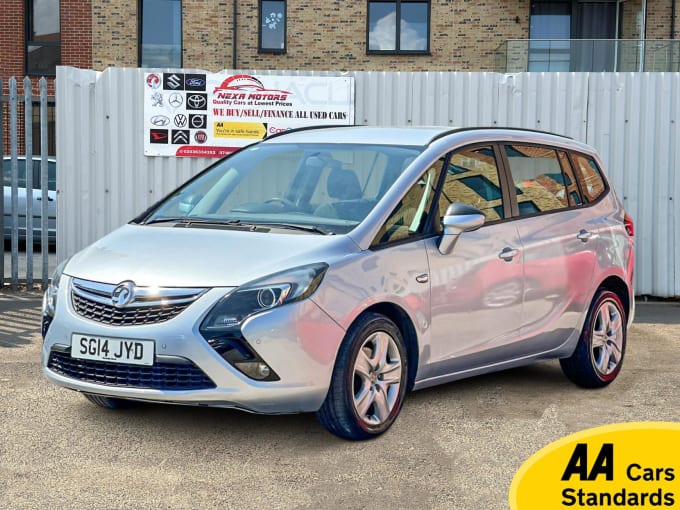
(236, 351)
(181, 376)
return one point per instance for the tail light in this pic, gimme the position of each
(628, 223)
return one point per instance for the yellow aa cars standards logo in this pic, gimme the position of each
(627, 465)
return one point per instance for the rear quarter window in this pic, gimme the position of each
(589, 177)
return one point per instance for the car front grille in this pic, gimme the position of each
(93, 301)
(160, 376)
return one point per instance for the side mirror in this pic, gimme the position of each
(189, 202)
(459, 218)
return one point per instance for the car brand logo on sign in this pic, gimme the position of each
(123, 294)
(197, 101)
(198, 121)
(158, 136)
(201, 137)
(153, 81)
(156, 99)
(180, 120)
(160, 120)
(194, 82)
(173, 81)
(180, 136)
(175, 100)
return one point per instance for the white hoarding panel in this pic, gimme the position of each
(201, 114)
(103, 130)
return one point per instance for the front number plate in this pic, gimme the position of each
(117, 350)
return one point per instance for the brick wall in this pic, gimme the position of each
(322, 35)
(114, 32)
(76, 33)
(11, 40)
(207, 34)
(331, 35)
(76, 50)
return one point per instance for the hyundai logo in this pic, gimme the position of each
(123, 294)
(160, 120)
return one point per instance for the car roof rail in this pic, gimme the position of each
(498, 128)
(304, 128)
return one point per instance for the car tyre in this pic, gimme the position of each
(599, 354)
(369, 380)
(108, 402)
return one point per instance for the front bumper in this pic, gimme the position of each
(298, 341)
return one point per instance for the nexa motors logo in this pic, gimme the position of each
(244, 86)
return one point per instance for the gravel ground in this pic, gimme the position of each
(456, 446)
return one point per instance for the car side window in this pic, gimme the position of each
(472, 179)
(7, 172)
(589, 177)
(409, 217)
(538, 180)
(51, 175)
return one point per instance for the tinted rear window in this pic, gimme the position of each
(589, 177)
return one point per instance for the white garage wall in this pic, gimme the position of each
(104, 179)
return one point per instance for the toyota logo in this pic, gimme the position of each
(175, 100)
(196, 101)
(123, 294)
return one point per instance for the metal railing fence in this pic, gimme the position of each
(588, 55)
(25, 216)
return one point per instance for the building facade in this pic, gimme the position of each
(338, 35)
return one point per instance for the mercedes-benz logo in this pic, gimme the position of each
(175, 100)
(123, 294)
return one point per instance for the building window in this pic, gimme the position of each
(574, 35)
(43, 46)
(272, 26)
(410, 35)
(160, 42)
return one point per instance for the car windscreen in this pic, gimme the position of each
(331, 187)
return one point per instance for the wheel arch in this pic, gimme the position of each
(616, 285)
(402, 320)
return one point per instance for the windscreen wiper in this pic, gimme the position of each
(187, 221)
(294, 226)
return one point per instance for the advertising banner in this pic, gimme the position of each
(210, 115)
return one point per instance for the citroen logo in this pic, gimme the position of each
(123, 294)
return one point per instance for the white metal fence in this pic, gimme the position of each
(104, 178)
(26, 206)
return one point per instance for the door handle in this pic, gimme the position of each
(49, 199)
(584, 235)
(508, 254)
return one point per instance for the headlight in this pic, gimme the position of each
(50, 296)
(263, 294)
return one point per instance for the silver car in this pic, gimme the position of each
(35, 197)
(332, 270)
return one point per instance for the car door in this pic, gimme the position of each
(21, 197)
(559, 245)
(51, 199)
(477, 289)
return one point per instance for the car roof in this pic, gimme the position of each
(419, 136)
(374, 135)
